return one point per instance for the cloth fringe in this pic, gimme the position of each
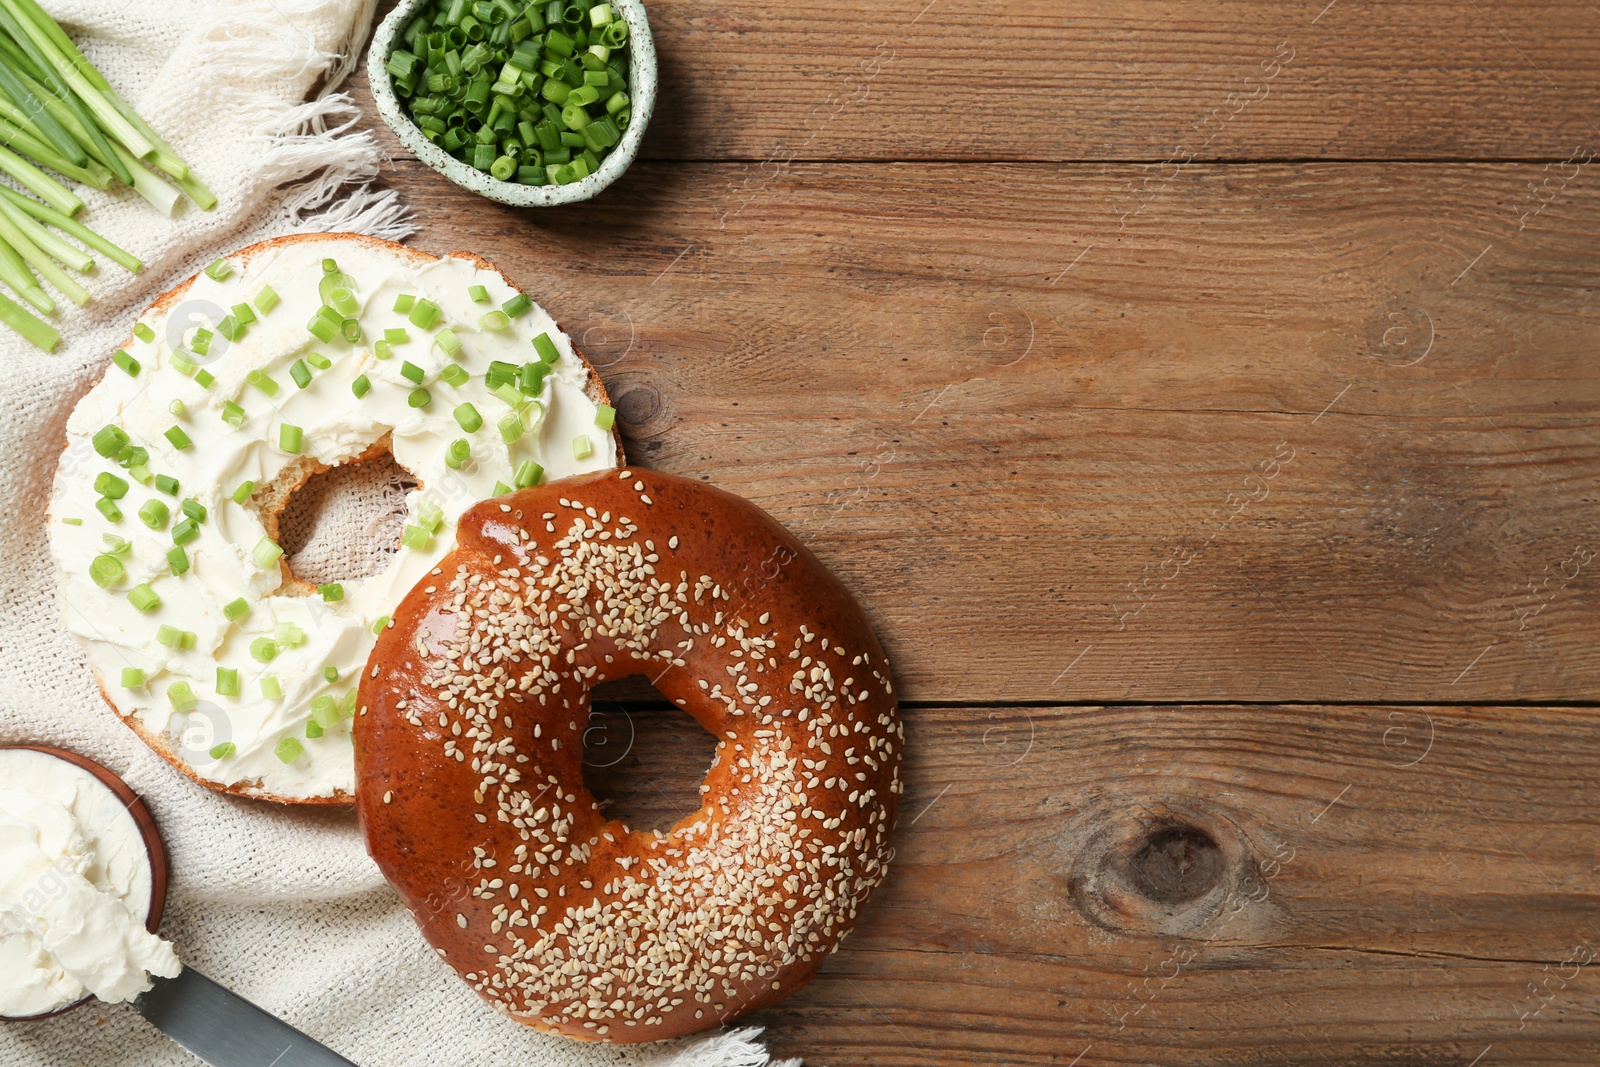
(324, 166)
(734, 1048)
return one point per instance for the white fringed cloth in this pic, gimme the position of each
(281, 905)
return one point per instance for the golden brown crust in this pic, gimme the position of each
(469, 746)
(164, 303)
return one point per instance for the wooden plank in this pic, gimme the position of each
(1112, 80)
(1208, 885)
(1258, 433)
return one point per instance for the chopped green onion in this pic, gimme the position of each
(106, 570)
(264, 649)
(108, 507)
(219, 270)
(266, 553)
(454, 375)
(494, 321)
(510, 428)
(424, 314)
(178, 438)
(108, 440)
(546, 348)
(467, 418)
(431, 515)
(126, 362)
(184, 531)
(291, 438)
(380, 624)
(457, 453)
(242, 493)
(314, 730)
(396, 336)
(224, 750)
(144, 598)
(132, 678)
(403, 303)
(271, 688)
(478, 293)
(227, 682)
(360, 386)
(143, 332)
(322, 329)
(117, 546)
(288, 634)
(319, 361)
(528, 473)
(266, 299)
(500, 489)
(167, 484)
(330, 674)
(419, 398)
(195, 510)
(300, 373)
(411, 372)
(181, 696)
(108, 484)
(516, 305)
(71, 521)
(236, 609)
(243, 314)
(582, 446)
(331, 591)
(382, 350)
(232, 414)
(170, 636)
(605, 416)
(289, 750)
(154, 514)
(344, 302)
(262, 381)
(178, 560)
(415, 536)
(531, 378)
(325, 712)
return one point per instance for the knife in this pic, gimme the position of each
(226, 1030)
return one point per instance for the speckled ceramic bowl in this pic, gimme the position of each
(641, 91)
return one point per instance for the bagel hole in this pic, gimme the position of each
(343, 523)
(644, 758)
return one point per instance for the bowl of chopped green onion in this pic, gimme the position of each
(527, 103)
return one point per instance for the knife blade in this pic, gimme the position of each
(226, 1030)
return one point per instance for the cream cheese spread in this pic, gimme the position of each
(74, 890)
(248, 679)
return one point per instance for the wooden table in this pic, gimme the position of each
(1202, 400)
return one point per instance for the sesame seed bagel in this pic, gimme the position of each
(469, 749)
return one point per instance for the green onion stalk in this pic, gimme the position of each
(60, 121)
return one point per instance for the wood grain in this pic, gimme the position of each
(1389, 883)
(1285, 433)
(1180, 383)
(1112, 80)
